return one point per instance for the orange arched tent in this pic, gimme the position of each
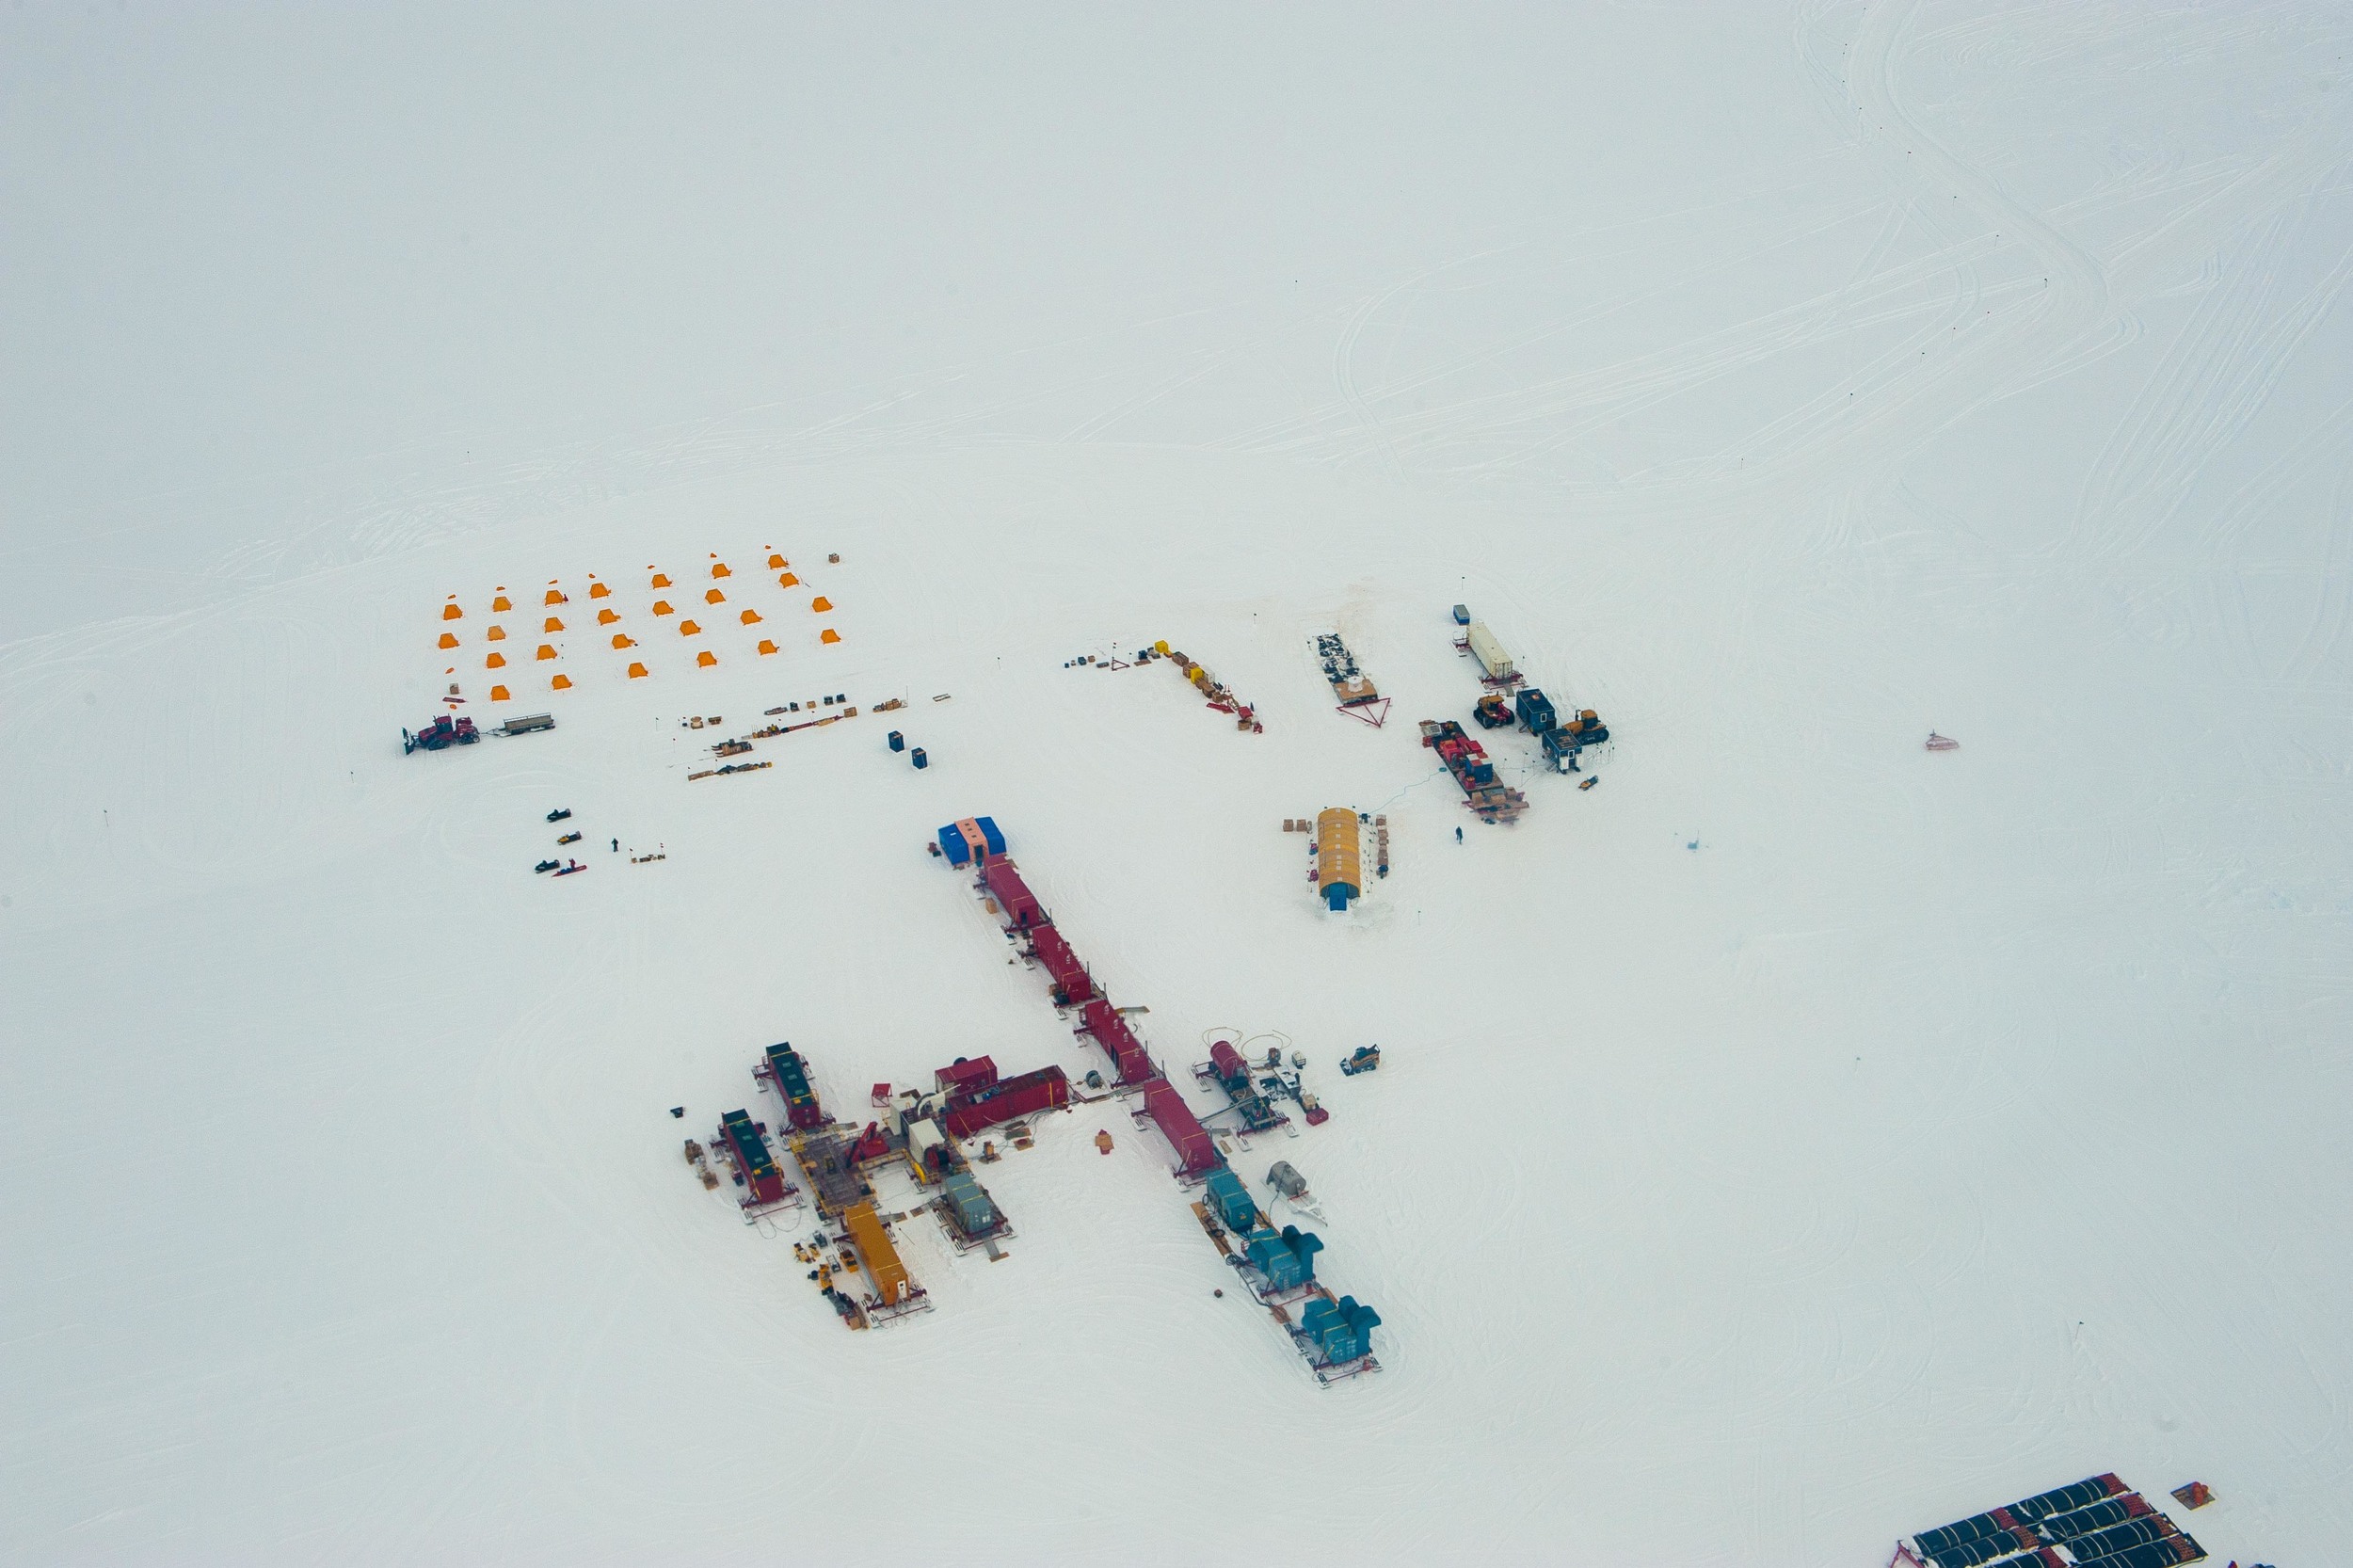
(788, 580)
(820, 604)
(750, 617)
(552, 624)
(449, 639)
(497, 635)
(767, 646)
(501, 602)
(497, 694)
(607, 616)
(495, 661)
(661, 607)
(561, 683)
(830, 635)
(546, 651)
(661, 580)
(555, 596)
(451, 611)
(720, 569)
(597, 590)
(687, 629)
(715, 597)
(706, 658)
(621, 641)
(637, 672)
(776, 563)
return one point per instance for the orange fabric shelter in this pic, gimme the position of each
(449, 639)
(555, 596)
(546, 651)
(776, 563)
(706, 658)
(561, 683)
(820, 604)
(788, 580)
(623, 640)
(637, 672)
(495, 661)
(715, 597)
(661, 580)
(661, 607)
(597, 590)
(497, 694)
(830, 635)
(750, 617)
(497, 634)
(552, 624)
(687, 629)
(607, 616)
(767, 646)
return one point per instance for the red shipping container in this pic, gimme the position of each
(1196, 1151)
(1070, 976)
(962, 1076)
(1047, 1089)
(1021, 905)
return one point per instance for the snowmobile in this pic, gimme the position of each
(559, 813)
(570, 839)
(547, 865)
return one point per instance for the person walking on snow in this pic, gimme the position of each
(1458, 835)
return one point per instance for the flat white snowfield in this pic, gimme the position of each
(1797, 1140)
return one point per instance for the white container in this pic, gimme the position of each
(1489, 653)
(923, 1137)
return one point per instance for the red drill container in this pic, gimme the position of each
(1196, 1151)
(1021, 905)
(963, 1077)
(1047, 1089)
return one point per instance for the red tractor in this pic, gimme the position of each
(442, 733)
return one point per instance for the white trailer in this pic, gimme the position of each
(1490, 654)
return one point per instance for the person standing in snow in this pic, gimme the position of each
(1458, 835)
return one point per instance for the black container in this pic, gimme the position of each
(898, 742)
(919, 758)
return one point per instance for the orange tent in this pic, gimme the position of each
(597, 590)
(788, 580)
(750, 617)
(820, 604)
(706, 658)
(637, 672)
(449, 639)
(830, 635)
(661, 607)
(556, 597)
(607, 616)
(497, 634)
(495, 661)
(552, 624)
(715, 597)
(546, 652)
(721, 570)
(776, 563)
(688, 629)
(451, 611)
(622, 640)
(767, 646)
(661, 580)
(497, 694)
(561, 683)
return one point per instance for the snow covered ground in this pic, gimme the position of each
(1796, 1141)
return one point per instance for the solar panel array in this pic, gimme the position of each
(2097, 1523)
